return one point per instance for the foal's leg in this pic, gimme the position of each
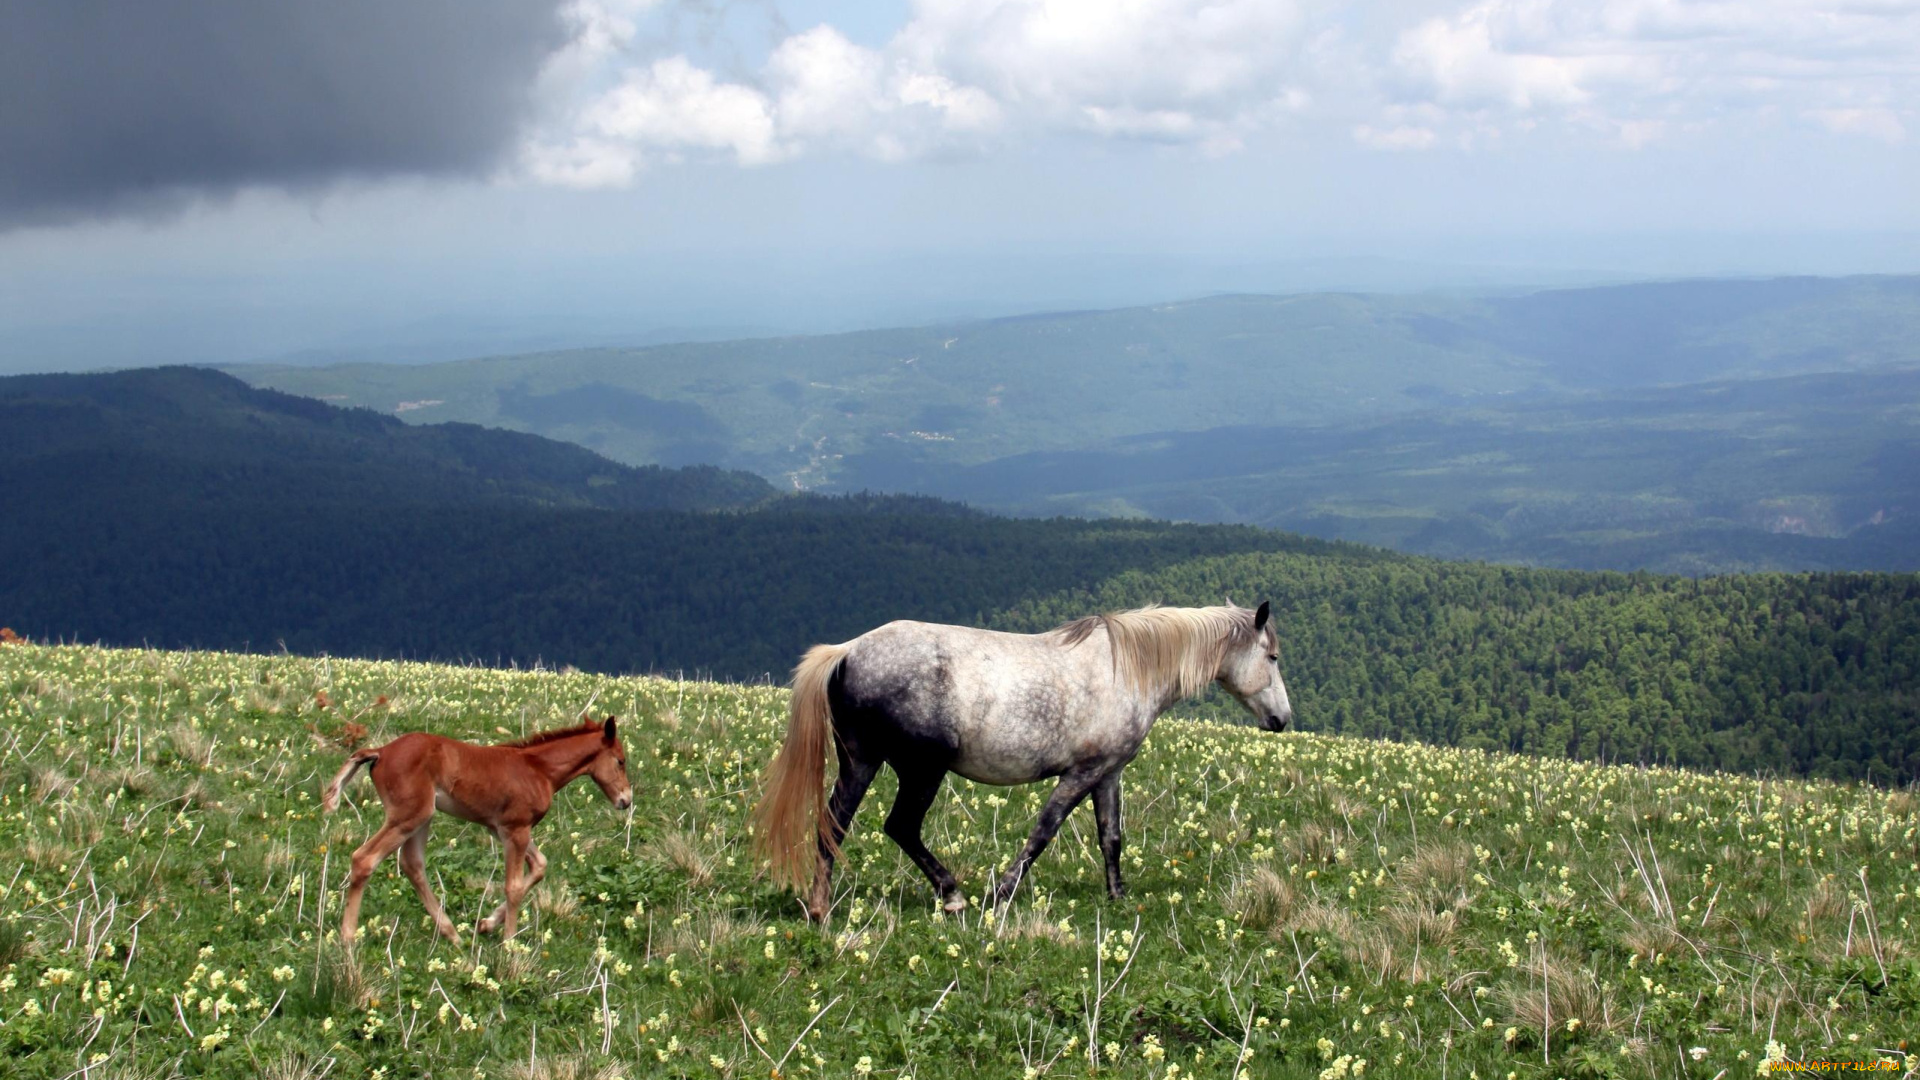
(1106, 813)
(413, 862)
(917, 792)
(848, 789)
(536, 870)
(378, 846)
(1073, 787)
(517, 839)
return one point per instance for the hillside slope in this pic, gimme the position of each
(1795, 673)
(1301, 906)
(211, 436)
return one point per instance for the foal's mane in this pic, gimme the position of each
(545, 737)
(1156, 649)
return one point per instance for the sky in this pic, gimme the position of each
(376, 180)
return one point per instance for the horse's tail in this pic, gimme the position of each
(359, 759)
(791, 820)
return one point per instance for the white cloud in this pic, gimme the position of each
(1882, 124)
(1181, 70)
(1404, 137)
(966, 76)
(832, 93)
(1637, 68)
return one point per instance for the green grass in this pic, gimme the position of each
(1310, 902)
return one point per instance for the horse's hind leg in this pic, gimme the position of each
(917, 792)
(1106, 813)
(1072, 788)
(848, 789)
(413, 863)
(380, 845)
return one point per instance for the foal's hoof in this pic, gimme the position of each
(485, 926)
(955, 904)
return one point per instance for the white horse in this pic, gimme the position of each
(1075, 702)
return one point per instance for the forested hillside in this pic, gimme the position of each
(248, 546)
(1814, 673)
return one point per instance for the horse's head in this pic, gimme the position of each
(609, 768)
(1250, 671)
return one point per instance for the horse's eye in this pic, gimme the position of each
(1275, 657)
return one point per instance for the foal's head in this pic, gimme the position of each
(609, 768)
(1250, 671)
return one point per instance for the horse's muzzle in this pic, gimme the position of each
(624, 802)
(1276, 723)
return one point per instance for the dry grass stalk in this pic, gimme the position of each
(1313, 844)
(561, 1067)
(1569, 993)
(1262, 899)
(1437, 869)
(190, 744)
(556, 900)
(1827, 903)
(682, 851)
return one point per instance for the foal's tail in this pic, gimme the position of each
(791, 821)
(358, 760)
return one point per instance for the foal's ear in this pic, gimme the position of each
(1260, 616)
(611, 735)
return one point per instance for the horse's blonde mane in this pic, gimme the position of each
(1156, 649)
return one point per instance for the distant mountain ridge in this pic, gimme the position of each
(1111, 413)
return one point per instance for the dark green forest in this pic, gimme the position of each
(1808, 673)
(185, 513)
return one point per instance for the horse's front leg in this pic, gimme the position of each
(1106, 813)
(517, 840)
(536, 870)
(1073, 787)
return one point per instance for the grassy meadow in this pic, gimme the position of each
(1300, 906)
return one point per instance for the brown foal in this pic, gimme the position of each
(507, 788)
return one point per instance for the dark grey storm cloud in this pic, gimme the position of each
(114, 106)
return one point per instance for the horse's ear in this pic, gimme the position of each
(1260, 616)
(611, 735)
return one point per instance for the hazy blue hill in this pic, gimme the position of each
(1799, 472)
(973, 392)
(1693, 331)
(210, 433)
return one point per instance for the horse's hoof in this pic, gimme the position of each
(484, 926)
(955, 904)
